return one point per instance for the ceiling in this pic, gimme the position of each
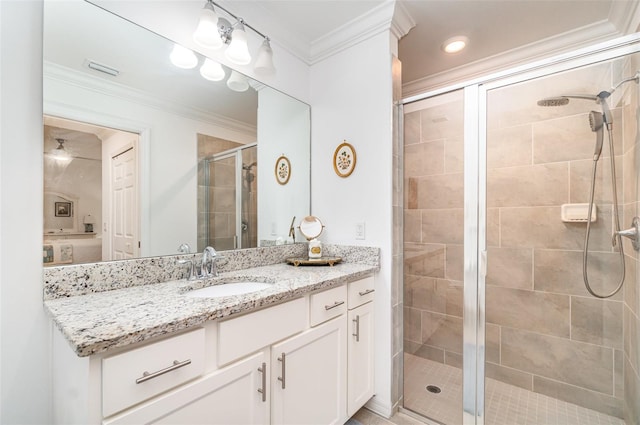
(501, 32)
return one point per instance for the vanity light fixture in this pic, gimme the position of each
(455, 44)
(212, 70)
(237, 82)
(183, 57)
(214, 32)
(60, 154)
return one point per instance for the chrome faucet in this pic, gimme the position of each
(209, 256)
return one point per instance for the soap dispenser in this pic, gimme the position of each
(315, 248)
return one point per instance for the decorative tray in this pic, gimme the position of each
(305, 261)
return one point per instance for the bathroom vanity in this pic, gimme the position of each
(300, 351)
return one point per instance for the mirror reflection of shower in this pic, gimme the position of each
(598, 121)
(229, 192)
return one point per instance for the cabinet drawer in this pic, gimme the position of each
(360, 292)
(251, 332)
(327, 304)
(133, 376)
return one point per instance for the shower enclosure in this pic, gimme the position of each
(229, 216)
(499, 326)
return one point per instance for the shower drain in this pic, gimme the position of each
(434, 389)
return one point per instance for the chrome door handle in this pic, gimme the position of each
(367, 292)
(282, 359)
(176, 365)
(263, 390)
(334, 305)
(357, 322)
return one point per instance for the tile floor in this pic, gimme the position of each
(505, 404)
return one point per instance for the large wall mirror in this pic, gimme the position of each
(142, 156)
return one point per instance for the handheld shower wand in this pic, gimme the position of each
(596, 121)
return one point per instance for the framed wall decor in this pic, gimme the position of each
(283, 170)
(62, 209)
(344, 159)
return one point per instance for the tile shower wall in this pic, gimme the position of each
(544, 332)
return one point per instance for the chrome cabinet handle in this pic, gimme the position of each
(334, 305)
(357, 334)
(367, 292)
(283, 360)
(263, 390)
(176, 365)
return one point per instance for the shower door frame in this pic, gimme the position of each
(475, 197)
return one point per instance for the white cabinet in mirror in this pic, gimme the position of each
(159, 155)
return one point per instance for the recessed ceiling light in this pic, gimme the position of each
(455, 44)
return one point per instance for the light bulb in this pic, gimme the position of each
(212, 70)
(206, 34)
(237, 82)
(264, 60)
(238, 51)
(183, 57)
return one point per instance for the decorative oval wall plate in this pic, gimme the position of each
(283, 170)
(344, 159)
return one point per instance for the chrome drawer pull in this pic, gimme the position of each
(367, 292)
(282, 359)
(176, 365)
(357, 334)
(335, 304)
(263, 390)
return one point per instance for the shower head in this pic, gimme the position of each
(596, 121)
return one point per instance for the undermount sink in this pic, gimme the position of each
(228, 289)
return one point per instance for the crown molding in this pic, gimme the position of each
(570, 40)
(88, 82)
(402, 21)
(353, 32)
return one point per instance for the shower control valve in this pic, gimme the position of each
(632, 233)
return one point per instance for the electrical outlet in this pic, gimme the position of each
(274, 228)
(360, 231)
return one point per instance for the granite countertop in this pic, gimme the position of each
(97, 322)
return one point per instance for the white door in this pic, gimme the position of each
(124, 201)
(360, 364)
(309, 376)
(229, 396)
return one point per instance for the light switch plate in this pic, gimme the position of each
(360, 231)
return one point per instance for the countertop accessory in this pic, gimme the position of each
(283, 170)
(344, 159)
(324, 261)
(311, 227)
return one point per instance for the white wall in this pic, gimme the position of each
(351, 98)
(282, 124)
(25, 375)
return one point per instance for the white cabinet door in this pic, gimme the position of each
(309, 376)
(228, 396)
(360, 364)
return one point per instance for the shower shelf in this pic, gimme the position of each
(577, 213)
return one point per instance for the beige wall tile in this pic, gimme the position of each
(628, 188)
(493, 227)
(454, 264)
(454, 298)
(425, 351)
(412, 324)
(442, 331)
(440, 191)
(631, 338)
(454, 155)
(412, 226)
(412, 128)
(596, 321)
(630, 287)
(443, 226)
(581, 181)
(582, 397)
(508, 147)
(453, 359)
(618, 369)
(541, 227)
(424, 159)
(631, 395)
(510, 267)
(561, 271)
(559, 359)
(426, 293)
(411, 193)
(442, 121)
(492, 343)
(531, 310)
(424, 260)
(528, 185)
(509, 376)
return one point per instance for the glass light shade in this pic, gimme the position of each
(237, 82)
(88, 219)
(238, 50)
(212, 70)
(264, 59)
(206, 34)
(183, 57)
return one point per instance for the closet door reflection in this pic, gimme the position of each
(433, 256)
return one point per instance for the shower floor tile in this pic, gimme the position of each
(505, 404)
